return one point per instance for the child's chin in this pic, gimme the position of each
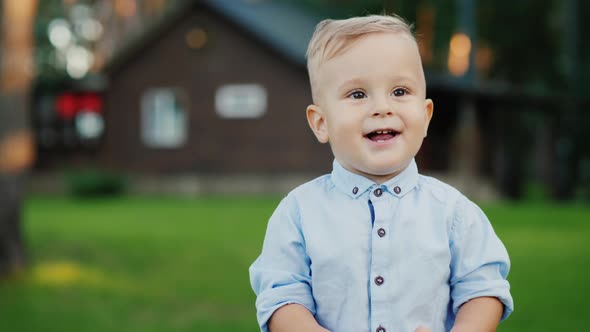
(385, 169)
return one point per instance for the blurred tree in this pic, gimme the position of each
(16, 142)
(526, 39)
(98, 28)
(583, 76)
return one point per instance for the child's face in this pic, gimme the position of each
(371, 106)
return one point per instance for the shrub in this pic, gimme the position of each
(87, 183)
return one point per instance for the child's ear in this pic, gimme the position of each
(428, 110)
(317, 123)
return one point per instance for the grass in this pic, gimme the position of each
(171, 264)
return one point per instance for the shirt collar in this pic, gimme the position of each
(354, 185)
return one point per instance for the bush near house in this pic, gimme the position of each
(89, 183)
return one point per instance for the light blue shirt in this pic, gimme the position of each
(367, 257)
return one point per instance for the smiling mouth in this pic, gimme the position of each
(381, 135)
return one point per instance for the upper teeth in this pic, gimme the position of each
(383, 131)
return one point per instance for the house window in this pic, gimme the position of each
(241, 101)
(164, 118)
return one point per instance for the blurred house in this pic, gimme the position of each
(215, 87)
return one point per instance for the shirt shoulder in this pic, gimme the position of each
(461, 211)
(304, 197)
(320, 185)
(458, 207)
(443, 192)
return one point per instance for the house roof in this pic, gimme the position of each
(284, 27)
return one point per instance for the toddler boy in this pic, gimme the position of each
(375, 246)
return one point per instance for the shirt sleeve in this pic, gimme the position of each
(480, 262)
(281, 274)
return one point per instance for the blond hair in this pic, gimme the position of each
(332, 37)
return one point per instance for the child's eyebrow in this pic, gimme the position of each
(397, 79)
(352, 82)
(404, 80)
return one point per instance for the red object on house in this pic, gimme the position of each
(90, 102)
(69, 104)
(66, 106)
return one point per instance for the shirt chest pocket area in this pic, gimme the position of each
(423, 256)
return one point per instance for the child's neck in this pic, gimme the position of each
(378, 178)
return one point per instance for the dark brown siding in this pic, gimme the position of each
(280, 141)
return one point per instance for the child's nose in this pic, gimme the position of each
(382, 112)
(382, 107)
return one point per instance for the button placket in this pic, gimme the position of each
(381, 284)
(380, 268)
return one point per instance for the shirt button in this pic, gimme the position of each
(379, 280)
(397, 190)
(378, 192)
(355, 190)
(381, 232)
(380, 329)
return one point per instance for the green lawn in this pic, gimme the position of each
(169, 264)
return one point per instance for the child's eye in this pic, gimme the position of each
(357, 95)
(399, 92)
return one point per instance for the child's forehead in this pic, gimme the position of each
(341, 46)
(398, 61)
(397, 39)
(376, 48)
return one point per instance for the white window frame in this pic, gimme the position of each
(241, 101)
(164, 118)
